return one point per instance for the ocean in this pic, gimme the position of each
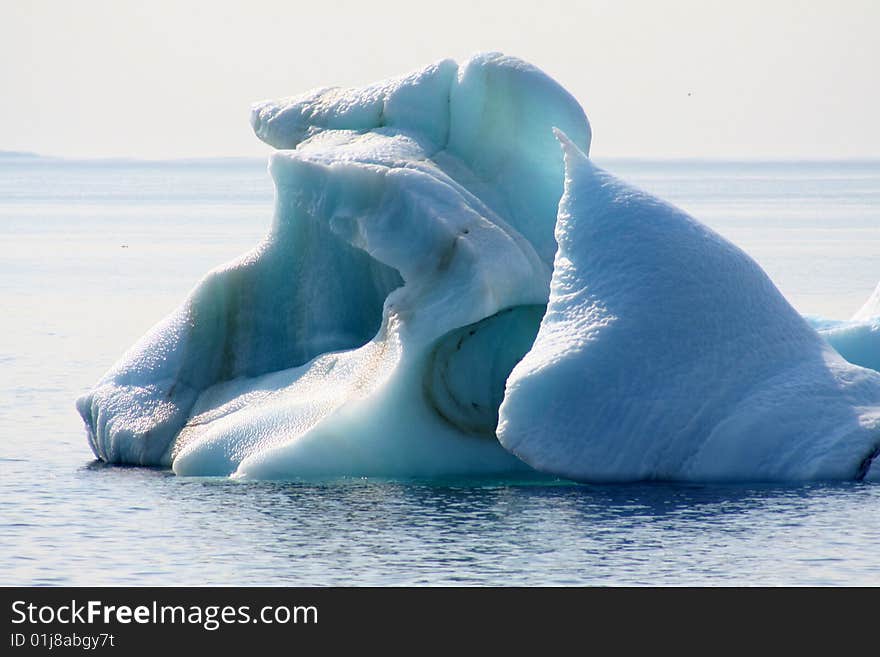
(95, 252)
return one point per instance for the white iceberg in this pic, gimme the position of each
(406, 274)
(667, 353)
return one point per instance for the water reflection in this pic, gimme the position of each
(385, 532)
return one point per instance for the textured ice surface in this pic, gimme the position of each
(407, 272)
(404, 275)
(667, 353)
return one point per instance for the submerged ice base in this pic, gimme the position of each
(407, 273)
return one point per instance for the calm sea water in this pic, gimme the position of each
(93, 253)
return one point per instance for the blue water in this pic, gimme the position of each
(93, 253)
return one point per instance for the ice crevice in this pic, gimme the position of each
(447, 291)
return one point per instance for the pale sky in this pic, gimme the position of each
(677, 78)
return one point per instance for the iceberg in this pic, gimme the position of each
(371, 333)
(666, 353)
(856, 339)
(444, 291)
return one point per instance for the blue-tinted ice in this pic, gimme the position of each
(408, 268)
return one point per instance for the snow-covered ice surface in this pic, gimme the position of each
(667, 353)
(406, 274)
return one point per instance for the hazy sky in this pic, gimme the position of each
(170, 78)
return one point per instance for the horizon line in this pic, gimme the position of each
(190, 159)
